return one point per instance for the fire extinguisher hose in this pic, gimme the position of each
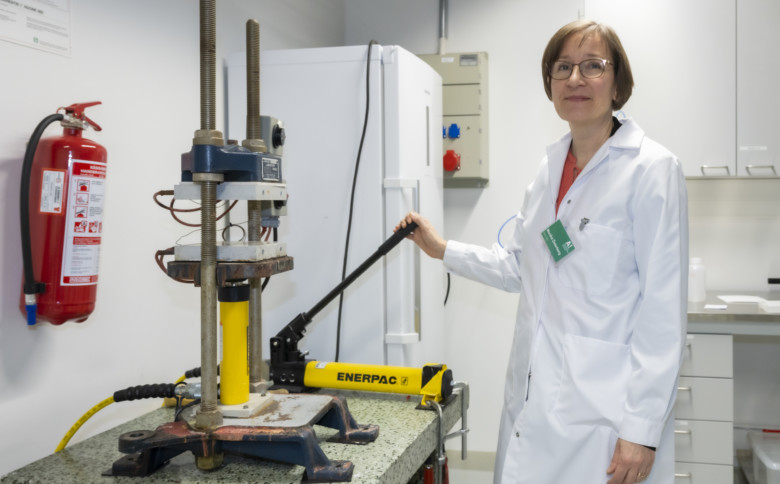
(31, 288)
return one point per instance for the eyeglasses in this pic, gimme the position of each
(589, 68)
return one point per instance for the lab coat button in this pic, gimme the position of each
(517, 434)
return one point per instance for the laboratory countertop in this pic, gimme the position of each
(746, 318)
(407, 436)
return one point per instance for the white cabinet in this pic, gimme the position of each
(690, 473)
(704, 82)
(703, 431)
(757, 71)
(703, 441)
(705, 399)
(683, 57)
(708, 355)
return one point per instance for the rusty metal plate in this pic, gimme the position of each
(231, 271)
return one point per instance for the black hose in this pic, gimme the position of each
(159, 390)
(195, 372)
(30, 286)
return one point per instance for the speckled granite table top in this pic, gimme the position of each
(407, 436)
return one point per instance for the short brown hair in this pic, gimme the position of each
(624, 80)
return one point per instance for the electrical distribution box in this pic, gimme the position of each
(465, 117)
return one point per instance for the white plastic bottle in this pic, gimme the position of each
(696, 287)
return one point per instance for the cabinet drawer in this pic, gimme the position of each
(703, 442)
(690, 473)
(705, 399)
(708, 355)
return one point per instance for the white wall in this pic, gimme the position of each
(735, 229)
(141, 59)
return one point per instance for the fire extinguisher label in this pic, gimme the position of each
(84, 223)
(52, 186)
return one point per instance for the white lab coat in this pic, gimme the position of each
(599, 335)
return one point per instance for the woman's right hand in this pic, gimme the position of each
(425, 236)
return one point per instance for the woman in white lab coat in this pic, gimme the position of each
(592, 376)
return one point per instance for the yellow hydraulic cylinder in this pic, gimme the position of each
(234, 370)
(433, 382)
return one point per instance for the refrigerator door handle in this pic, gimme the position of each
(414, 336)
(412, 183)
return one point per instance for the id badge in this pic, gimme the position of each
(558, 241)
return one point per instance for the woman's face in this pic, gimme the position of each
(579, 100)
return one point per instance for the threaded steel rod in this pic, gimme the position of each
(208, 64)
(255, 332)
(254, 225)
(252, 79)
(208, 296)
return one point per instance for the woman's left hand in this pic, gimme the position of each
(631, 463)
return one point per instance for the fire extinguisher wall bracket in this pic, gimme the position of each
(61, 207)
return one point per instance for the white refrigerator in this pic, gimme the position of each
(394, 313)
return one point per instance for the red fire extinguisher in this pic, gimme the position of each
(61, 213)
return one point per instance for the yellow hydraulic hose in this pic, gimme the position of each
(76, 426)
(159, 390)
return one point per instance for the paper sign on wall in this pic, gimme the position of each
(40, 24)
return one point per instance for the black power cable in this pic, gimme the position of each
(352, 197)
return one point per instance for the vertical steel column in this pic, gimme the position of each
(252, 79)
(258, 372)
(208, 62)
(257, 375)
(208, 296)
(253, 140)
(208, 415)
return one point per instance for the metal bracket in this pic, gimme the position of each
(463, 389)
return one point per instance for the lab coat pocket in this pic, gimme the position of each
(594, 382)
(591, 266)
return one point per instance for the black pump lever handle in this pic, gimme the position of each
(295, 329)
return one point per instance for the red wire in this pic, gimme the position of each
(174, 210)
(173, 214)
(170, 192)
(159, 256)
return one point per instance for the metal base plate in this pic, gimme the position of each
(278, 436)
